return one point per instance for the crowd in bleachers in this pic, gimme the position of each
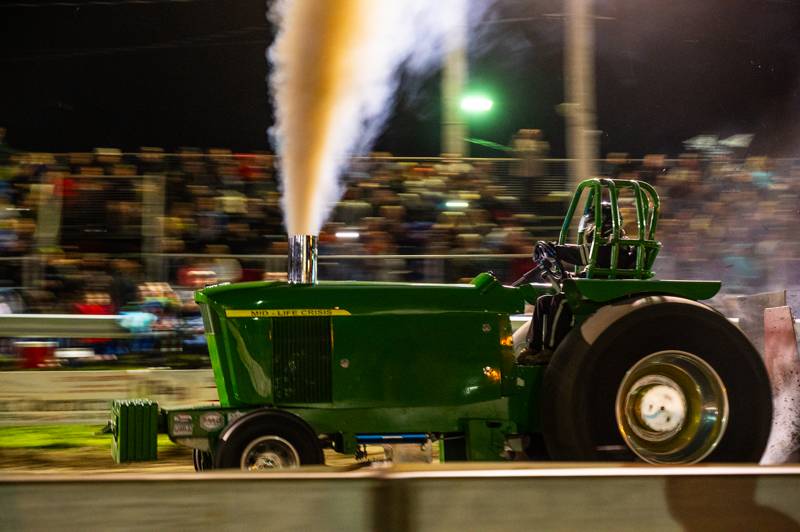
(730, 220)
(721, 218)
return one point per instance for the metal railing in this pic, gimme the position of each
(66, 326)
(431, 268)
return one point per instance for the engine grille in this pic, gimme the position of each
(302, 359)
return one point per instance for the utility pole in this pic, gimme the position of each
(153, 202)
(454, 79)
(579, 109)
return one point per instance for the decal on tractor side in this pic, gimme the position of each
(285, 313)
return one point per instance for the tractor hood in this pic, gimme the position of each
(257, 299)
(275, 343)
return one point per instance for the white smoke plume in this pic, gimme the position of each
(334, 71)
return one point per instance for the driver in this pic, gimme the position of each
(552, 318)
(578, 254)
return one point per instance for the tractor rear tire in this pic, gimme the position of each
(666, 380)
(266, 440)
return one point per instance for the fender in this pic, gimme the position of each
(246, 419)
(607, 290)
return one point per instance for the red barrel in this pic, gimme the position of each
(35, 354)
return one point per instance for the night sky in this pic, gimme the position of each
(192, 73)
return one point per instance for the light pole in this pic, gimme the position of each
(579, 109)
(454, 79)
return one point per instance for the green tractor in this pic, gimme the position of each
(644, 372)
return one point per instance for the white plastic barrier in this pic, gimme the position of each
(44, 397)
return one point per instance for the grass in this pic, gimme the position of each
(77, 448)
(61, 437)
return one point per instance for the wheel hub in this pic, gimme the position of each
(269, 452)
(659, 407)
(268, 461)
(672, 408)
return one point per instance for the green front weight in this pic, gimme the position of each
(134, 430)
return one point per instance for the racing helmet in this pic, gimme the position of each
(587, 223)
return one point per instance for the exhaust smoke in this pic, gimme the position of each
(334, 70)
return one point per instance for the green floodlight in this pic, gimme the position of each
(476, 103)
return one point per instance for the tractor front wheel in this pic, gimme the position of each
(266, 440)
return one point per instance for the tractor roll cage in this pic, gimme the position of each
(645, 245)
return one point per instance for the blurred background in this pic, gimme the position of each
(135, 164)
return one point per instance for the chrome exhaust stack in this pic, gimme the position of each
(303, 259)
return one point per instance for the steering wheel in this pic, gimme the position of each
(547, 262)
(547, 267)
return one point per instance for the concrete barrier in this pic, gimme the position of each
(783, 365)
(749, 311)
(431, 499)
(43, 397)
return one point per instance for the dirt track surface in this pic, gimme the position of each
(89, 460)
(94, 460)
